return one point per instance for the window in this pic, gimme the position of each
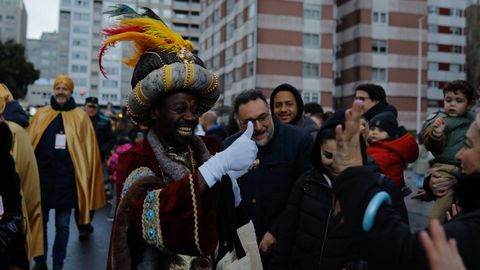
(229, 5)
(80, 82)
(432, 66)
(311, 11)
(311, 70)
(456, 12)
(78, 16)
(311, 40)
(433, 84)
(250, 40)
(380, 17)
(79, 42)
(310, 96)
(216, 61)
(109, 83)
(455, 30)
(229, 30)
(379, 74)
(229, 55)
(433, 10)
(250, 69)
(455, 67)
(251, 11)
(238, 74)
(456, 49)
(379, 46)
(79, 55)
(112, 70)
(238, 47)
(432, 47)
(239, 20)
(216, 38)
(432, 28)
(79, 68)
(228, 80)
(82, 29)
(10, 17)
(216, 15)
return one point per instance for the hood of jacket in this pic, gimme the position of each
(296, 94)
(401, 146)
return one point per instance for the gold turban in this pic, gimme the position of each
(62, 78)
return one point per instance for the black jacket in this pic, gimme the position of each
(313, 234)
(390, 244)
(103, 131)
(265, 190)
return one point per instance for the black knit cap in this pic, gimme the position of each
(387, 122)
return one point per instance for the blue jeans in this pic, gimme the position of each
(62, 231)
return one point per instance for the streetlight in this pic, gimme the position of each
(419, 73)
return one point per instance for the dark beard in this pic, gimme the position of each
(466, 191)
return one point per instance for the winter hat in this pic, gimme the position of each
(386, 121)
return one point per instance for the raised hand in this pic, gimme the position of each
(442, 254)
(348, 152)
(236, 159)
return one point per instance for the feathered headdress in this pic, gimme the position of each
(146, 30)
(163, 62)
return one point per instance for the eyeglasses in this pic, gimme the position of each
(263, 119)
(361, 98)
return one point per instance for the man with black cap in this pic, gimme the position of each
(287, 105)
(102, 126)
(106, 141)
(175, 200)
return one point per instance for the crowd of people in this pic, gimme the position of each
(186, 192)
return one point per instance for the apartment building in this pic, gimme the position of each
(446, 47)
(261, 44)
(377, 41)
(13, 21)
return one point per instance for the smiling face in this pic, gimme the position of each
(469, 155)
(175, 118)
(62, 94)
(285, 106)
(257, 112)
(455, 103)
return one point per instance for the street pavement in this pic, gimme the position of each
(90, 254)
(418, 211)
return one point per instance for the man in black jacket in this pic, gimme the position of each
(287, 105)
(282, 157)
(374, 100)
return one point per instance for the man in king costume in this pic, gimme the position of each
(69, 165)
(26, 167)
(171, 190)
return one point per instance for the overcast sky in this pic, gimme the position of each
(42, 17)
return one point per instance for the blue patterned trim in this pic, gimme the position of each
(134, 176)
(152, 232)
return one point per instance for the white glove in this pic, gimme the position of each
(238, 157)
(235, 187)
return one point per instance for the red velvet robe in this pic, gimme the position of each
(175, 207)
